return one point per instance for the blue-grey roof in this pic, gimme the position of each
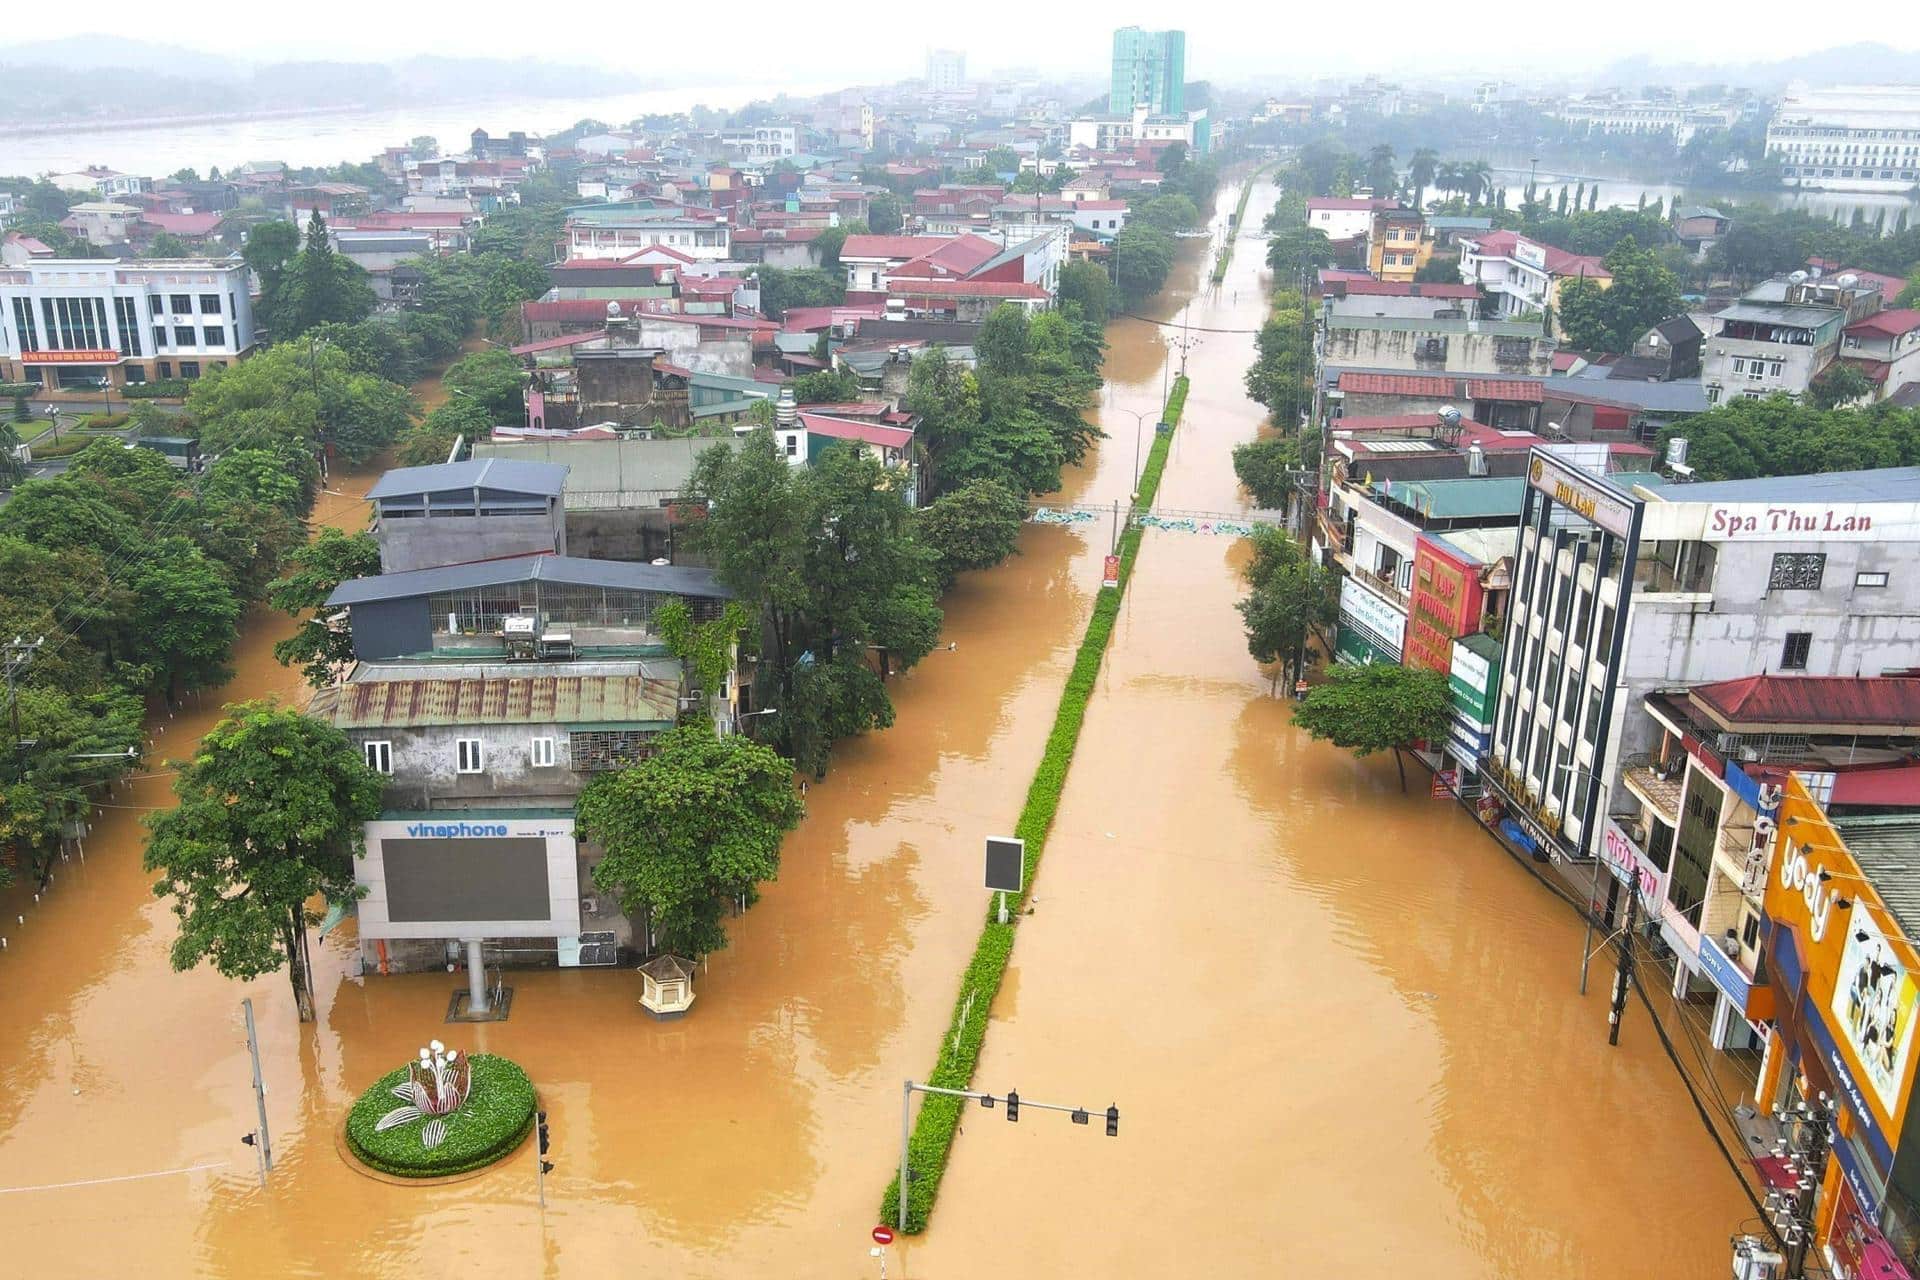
(1655, 397)
(547, 479)
(1883, 484)
(680, 580)
(1453, 222)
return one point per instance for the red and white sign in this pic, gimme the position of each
(1111, 576)
(1445, 783)
(883, 1235)
(1627, 864)
(70, 357)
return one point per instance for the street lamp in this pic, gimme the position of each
(1139, 417)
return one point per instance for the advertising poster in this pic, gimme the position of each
(1873, 1007)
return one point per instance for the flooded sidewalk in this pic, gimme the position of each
(1342, 1027)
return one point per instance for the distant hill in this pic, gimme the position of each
(38, 85)
(1862, 63)
(93, 52)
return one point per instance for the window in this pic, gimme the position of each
(209, 304)
(1869, 579)
(1797, 571)
(160, 337)
(543, 753)
(467, 756)
(379, 756)
(189, 368)
(216, 335)
(1793, 657)
(153, 303)
(791, 443)
(1593, 717)
(183, 335)
(180, 304)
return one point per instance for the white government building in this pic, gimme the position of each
(1854, 138)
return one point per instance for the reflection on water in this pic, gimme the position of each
(1335, 1018)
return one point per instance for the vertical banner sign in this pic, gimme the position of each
(1111, 576)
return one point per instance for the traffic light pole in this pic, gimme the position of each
(262, 1143)
(543, 1144)
(1014, 1103)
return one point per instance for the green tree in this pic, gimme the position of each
(1298, 251)
(883, 215)
(493, 380)
(312, 574)
(976, 526)
(1377, 707)
(1142, 257)
(826, 386)
(298, 393)
(825, 556)
(1776, 436)
(1267, 467)
(1168, 212)
(1283, 367)
(1289, 597)
(1086, 285)
(269, 248)
(1382, 175)
(1420, 172)
(283, 478)
(693, 827)
(1643, 294)
(320, 287)
(803, 287)
(1838, 384)
(1439, 269)
(12, 469)
(186, 616)
(268, 820)
(165, 244)
(80, 742)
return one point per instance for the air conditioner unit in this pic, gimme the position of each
(589, 906)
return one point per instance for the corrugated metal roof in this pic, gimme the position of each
(1835, 703)
(507, 476)
(1463, 498)
(1395, 384)
(1887, 847)
(585, 700)
(1504, 389)
(673, 579)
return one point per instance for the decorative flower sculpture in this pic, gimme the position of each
(435, 1087)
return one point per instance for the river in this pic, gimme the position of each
(1630, 193)
(354, 135)
(1341, 1025)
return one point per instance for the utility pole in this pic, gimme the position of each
(1013, 1101)
(1623, 978)
(16, 655)
(545, 1145)
(259, 1140)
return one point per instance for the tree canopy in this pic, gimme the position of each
(694, 826)
(269, 818)
(299, 393)
(311, 576)
(1289, 596)
(1378, 706)
(1779, 437)
(975, 526)
(1643, 293)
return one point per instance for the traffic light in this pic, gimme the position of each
(248, 1138)
(1079, 1115)
(1113, 1122)
(546, 1166)
(546, 1142)
(1013, 1105)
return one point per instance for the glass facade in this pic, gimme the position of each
(1149, 68)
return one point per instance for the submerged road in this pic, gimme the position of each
(1340, 1024)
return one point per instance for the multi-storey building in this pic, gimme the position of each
(1523, 276)
(1782, 336)
(77, 322)
(1612, 114)
(1623, 585)
(1149, 69)
(622, 230)
(946, 70)
(1858, 138)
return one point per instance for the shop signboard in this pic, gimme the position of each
(1813, 521)
(1725, 973)
(1585, 495)
(1873, 1006)
(103, 356)
(1471, 678)
(1626, 863)
(1529, 253)
(1381, 626)
(1445, 602)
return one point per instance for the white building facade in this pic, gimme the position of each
(1862, 138)
(74, 322)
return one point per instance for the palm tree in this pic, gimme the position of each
(1447, 177)
(1421, 172)
(1476, 178)
(1381, 175)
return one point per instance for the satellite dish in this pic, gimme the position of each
(1848, 280)
(613, 309)
(1798, 277)
(1449, 416)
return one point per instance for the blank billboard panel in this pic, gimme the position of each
(453, 880)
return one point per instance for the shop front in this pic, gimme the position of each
(1372, 628)
(1473, 669)
(1843, 979)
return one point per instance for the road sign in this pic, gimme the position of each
(883, 1235)
(1006, 860)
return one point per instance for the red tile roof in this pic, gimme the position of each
(399, 220)
(1395, 384)
(578, 308)
(1368, 288)
(553, 344)
(1895, 786)
(956, 257)
(848, 429)
(903, 248)
(967, 289)
(655, 250)
(1887, 324)
(1504, 389)
(1885, 702)
(809, 319)
(183, 224)
(1395, 422)
(1501, 244)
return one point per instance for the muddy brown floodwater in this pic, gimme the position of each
(1341, 1026)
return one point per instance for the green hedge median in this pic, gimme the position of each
(1233, 232)
(932, 1139)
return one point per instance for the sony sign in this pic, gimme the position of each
(1795, 875)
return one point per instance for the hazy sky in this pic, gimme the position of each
(722, 43)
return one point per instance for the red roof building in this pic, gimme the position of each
(1886, 324)
(1867, 705)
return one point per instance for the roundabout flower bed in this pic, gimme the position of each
(489, 1122)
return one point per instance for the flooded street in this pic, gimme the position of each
(1341, 1026)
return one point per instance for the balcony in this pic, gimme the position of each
(1384, 585)
(1656, 783)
